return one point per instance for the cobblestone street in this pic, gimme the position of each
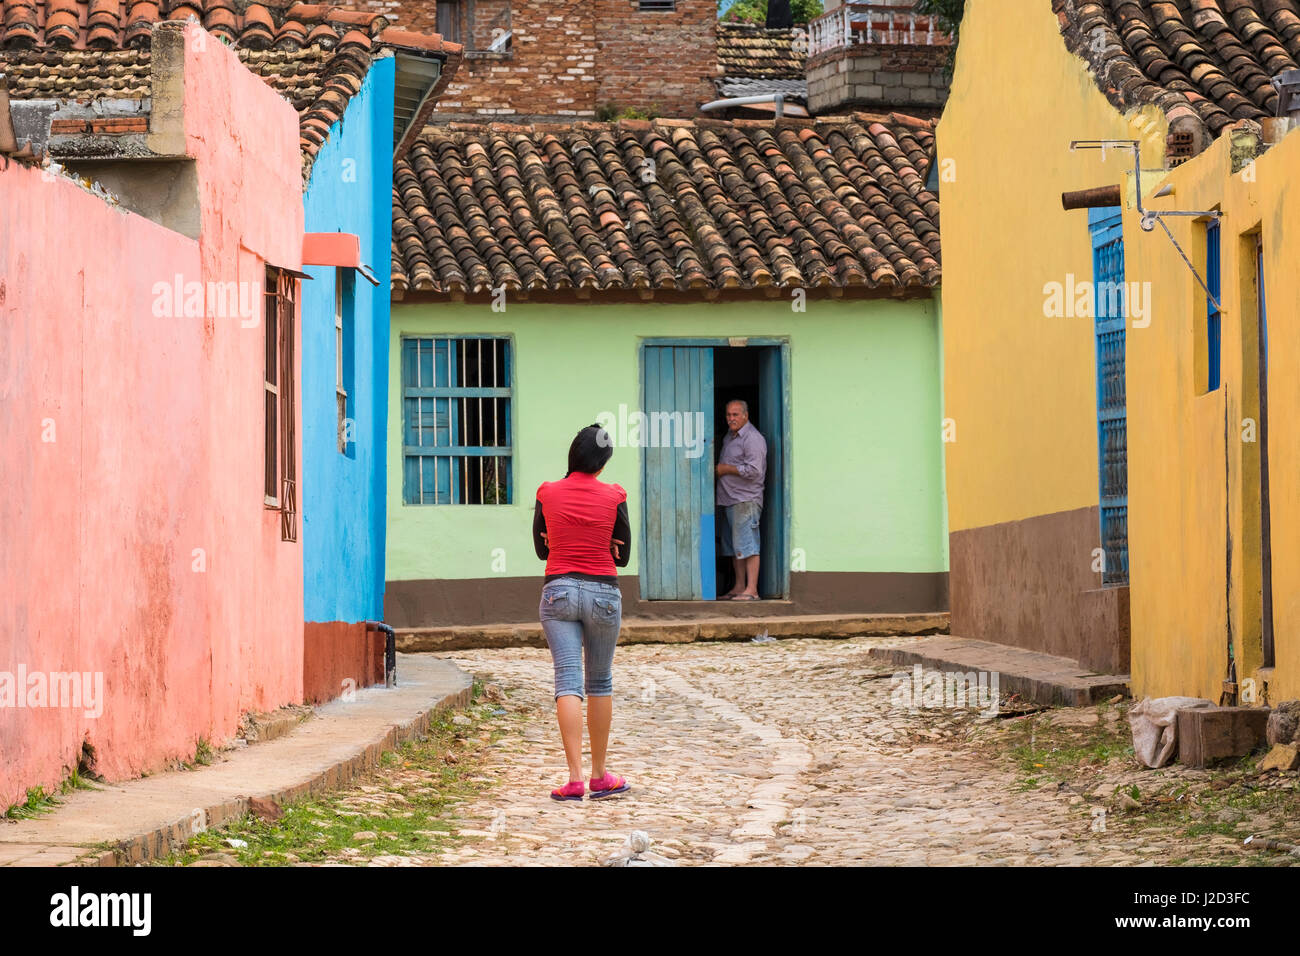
(793, 752)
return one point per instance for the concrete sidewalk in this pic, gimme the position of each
(706, 627)
(1036, 677)
(145, 819)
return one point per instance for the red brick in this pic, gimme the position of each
(574, 56)
(65, 127)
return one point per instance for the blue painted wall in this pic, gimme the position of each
(342, 496)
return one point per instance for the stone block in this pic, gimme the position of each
(1207, 734)
(1281, 757)
(1284, 722)
(872, 92)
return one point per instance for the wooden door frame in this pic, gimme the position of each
(787, 471)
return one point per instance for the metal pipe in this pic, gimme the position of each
(777, 98)
(1096, 198)
(390, 651)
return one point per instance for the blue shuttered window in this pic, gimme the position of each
(1213, 323)
(1112, 404)
(456, 421)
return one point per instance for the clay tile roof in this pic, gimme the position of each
(672, 205)
(316, 56)
(1205, 63)
(757, 52)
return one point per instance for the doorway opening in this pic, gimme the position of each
(736, 378)
(681, 522)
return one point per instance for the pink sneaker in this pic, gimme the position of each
(573, 790)
(608, 785)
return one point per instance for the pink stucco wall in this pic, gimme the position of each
(157, 426)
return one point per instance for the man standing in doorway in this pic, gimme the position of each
(741, 472)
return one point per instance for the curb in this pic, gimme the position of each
(642, 631)
(159, 842)
(1043, 679)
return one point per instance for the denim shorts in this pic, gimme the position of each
(739, 529)
(581, 620)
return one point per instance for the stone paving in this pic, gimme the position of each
(788, 752)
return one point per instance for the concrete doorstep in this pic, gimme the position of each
(656, 631)
(145, 819)
(1041, 678)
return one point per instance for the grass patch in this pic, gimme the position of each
(76, 781)
(1051, 753)
(38, 801)
(202, 753)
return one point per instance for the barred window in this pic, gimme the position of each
(345, 301)
(456, 421)
(280, 465)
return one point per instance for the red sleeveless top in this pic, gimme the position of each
(579, 511)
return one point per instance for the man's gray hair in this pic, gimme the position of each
(744, 405)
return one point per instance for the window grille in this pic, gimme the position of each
(1112, 401)
(280, 487)
(1213, 318)
(456, 419)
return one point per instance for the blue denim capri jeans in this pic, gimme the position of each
(581, 620)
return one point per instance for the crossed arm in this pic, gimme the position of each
(619, 544)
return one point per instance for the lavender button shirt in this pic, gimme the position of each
(747, 450)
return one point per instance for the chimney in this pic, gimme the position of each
(779, 15)
(1287, 84)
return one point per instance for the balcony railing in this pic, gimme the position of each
(880, 22)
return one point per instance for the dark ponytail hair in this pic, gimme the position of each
(590, 450)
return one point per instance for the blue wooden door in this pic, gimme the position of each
(773, 568)
(678, 551)
(1112, 405)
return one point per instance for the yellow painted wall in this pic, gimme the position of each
(1020, 387)
(1193, 481)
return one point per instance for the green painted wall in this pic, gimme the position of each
(867, 481)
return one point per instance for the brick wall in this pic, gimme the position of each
(569, 57)
(904, 77)
(549, 71)
(666, 60)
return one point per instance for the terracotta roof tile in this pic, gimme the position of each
(314, 55)
(757, 52)
(673, 205)
(1207, 63)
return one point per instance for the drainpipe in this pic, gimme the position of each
(390, 651)
(777, 98)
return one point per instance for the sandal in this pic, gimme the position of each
(573, 790)
(607, 786)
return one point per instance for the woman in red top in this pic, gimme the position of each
(581, 530)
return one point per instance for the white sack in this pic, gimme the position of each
(1155, 727)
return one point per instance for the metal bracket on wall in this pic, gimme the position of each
(1150, 217)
